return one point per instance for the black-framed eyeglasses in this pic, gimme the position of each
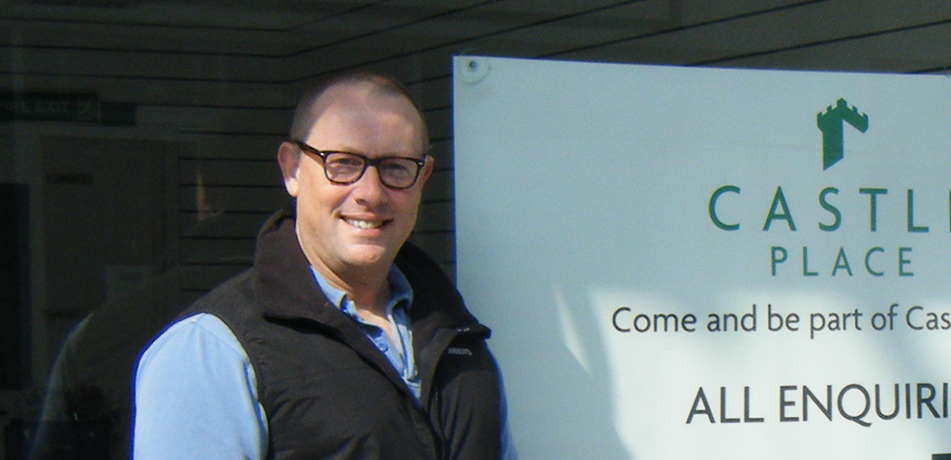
(348, 167)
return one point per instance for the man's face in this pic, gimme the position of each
(352, 227)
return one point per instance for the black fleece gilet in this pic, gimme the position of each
(328, 392)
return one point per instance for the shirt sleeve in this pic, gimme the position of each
(196, 396)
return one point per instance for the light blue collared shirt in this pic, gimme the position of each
(398, 351)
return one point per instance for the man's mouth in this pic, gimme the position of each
(364, 224)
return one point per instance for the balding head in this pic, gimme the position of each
(316, 100)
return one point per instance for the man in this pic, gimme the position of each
(341, 341)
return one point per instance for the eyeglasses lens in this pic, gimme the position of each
(394, 172)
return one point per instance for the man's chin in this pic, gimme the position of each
(368, 256)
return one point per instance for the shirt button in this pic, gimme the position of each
(384, 347)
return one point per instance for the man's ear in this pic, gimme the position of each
(427, 170)
(288, 156)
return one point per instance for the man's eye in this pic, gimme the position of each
(395, 168)
(344, 162)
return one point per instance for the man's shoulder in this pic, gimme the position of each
(231, 300)
(201, 328)
(436, 301)
(420, 269)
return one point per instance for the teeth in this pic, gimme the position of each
(364, 224)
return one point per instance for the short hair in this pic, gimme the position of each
(305, 117)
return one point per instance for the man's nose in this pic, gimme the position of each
(370, 187)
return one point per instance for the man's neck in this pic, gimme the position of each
(368, 289)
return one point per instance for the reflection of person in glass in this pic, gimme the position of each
(88, 404)
(341, 341)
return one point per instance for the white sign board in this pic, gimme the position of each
(690, 263)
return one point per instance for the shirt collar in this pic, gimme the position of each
(400, 290)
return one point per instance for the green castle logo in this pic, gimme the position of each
(830, 123)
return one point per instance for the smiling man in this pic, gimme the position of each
(342, 341)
